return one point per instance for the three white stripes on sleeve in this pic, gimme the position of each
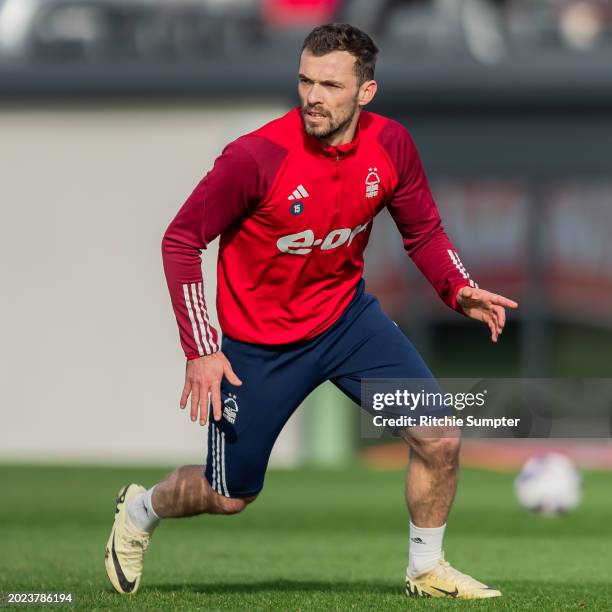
(455, 259)
(198, 315)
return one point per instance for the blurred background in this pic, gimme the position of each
(112, 110)
(110, 113)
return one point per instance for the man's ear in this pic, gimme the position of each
(367, 91)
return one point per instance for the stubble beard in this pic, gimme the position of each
(333, 127)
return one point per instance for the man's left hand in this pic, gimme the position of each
(485, 306)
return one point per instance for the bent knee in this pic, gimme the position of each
(443, 450)
(232, 505)
(450, 446)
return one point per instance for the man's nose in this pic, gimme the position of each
(314, 95)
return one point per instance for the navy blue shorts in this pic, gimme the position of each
(363, 343)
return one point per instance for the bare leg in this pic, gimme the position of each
(431, 480)
(186, 492)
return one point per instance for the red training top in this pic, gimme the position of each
(294, 218)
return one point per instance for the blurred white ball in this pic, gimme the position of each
(549, 485)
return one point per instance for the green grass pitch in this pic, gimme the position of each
(315, 540)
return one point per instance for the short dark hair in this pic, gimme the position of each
(344, 37)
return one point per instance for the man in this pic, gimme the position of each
(293, 203)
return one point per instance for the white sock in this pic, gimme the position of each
(425, 548)
(141, 513)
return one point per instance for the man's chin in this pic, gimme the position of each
(317, 131)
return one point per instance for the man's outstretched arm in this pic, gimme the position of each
(418, 220)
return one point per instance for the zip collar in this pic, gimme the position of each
(333, 152)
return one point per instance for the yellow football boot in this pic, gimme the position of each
(126, 545)
(445, 581)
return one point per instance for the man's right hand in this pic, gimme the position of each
(204, 376)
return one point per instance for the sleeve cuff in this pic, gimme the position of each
(190, 357)
(453, 302)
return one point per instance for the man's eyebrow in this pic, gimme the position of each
(326, 82)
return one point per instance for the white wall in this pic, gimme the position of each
(91, 366)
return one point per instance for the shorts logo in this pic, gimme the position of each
(372, 181)
(296, 209)
(230, 409)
